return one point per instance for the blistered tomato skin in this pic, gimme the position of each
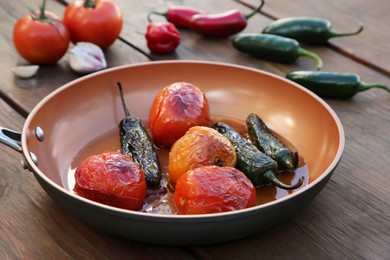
(199, 146)
(112, 179)
(176, 109)
(213, 189)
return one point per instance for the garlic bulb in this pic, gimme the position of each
(86, 57)
(25, 71)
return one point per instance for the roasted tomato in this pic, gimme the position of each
(176, 109)
(96, 21)
(40, 37)
(113, 179)
(200, 146)
(213, 189)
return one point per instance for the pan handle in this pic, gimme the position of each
(12, 139)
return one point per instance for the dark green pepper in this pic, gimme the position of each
(267, 142)
(272, 47)
(306, 29)
(258, 167)
(331, 84)
(136, 143)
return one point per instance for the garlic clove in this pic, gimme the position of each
(86, 57)
(25, 71)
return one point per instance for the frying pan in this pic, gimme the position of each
(77, 119)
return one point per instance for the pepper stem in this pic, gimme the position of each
(338, 34)
(270, 176)
(156, 13)
(89, 4)
(303, 52)
(127, 113)
(247, 16)
(365, 86)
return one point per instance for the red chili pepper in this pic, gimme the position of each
(178, 15)
(162, 38)
(221, 25)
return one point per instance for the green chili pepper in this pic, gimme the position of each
(136, 143)
(267, 142)
(306, 29)
(331, 84)
(272, 47)
(258, 167)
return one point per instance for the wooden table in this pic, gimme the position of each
(349, 219)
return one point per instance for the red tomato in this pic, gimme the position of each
(213, 189)
(41, 39)
(199, 146)
(113, 179)
(177, 108)
(96, 21)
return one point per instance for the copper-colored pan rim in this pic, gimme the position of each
(328, 171)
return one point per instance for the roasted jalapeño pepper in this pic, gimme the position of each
(306, 29)
(272, 47)
(332, 84)
(257, 166)
(267, 142)
(136, 143)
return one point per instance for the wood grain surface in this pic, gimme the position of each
(369, 48)
(349, 219)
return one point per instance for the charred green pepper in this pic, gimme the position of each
(257, 166)
(267, 142)
(272, 47)
(331, 84)
(136, 143)
(306, 29)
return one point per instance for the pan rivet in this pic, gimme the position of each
(39, 134)
(26, 165)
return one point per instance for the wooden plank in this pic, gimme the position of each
(26, 93)
(34, 227)
(370, 47)
(195, 47)
(349, 218)
(323, 229)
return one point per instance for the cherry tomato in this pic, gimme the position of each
(213, 189)
(40, 37)
(200, 146)
(176, 109)
(111, 178)
(96, 21)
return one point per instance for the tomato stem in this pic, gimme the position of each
(40, 15)
(89, 4)
(42, 8)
